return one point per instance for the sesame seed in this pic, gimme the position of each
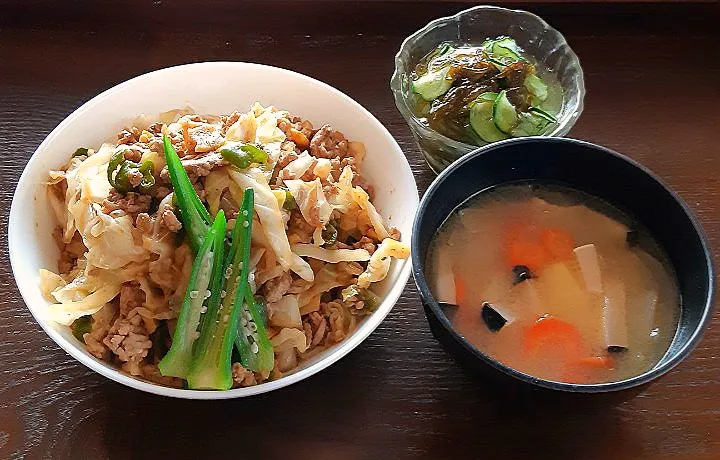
(246, 224)
(203, 309)
(228, 272)
(193, 294)
(207, 294)
(252, 326)
(254, 348)
(223, 294)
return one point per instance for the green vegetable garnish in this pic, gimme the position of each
(119, 170)
(372, 301)
(329, 234)
(195, 218)
(206, 274)
(243, 155)
(82, 151)
(289, 204)
(211, 367)
(81, 326)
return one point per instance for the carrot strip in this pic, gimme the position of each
(299, 138)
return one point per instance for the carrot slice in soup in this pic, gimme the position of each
(550, 335)
(524, 247)
(558, 243)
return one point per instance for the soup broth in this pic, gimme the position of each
(555, 283)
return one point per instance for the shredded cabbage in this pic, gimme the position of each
(289, 338)
(327, 278)
(312, 203)
(285, 312)
(331, 255)
(379, 264)
(268, 211)
(363, 200)
(300, 165)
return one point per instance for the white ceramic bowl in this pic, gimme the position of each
(213, 88)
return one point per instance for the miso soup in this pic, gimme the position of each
(555, 283)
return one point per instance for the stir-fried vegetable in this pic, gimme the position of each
(80, 152)
(81, 326)
(243, 155)
(207, 268)
(119, 172)
(211, 367)
(195, 218)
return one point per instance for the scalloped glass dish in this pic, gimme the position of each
(545, 45)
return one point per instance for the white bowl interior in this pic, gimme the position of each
(211, 88)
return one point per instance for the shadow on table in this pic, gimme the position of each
(512, 419)
(280, 424)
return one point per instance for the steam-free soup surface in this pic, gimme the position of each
(555, 283)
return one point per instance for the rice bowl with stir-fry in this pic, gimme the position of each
(169, 271)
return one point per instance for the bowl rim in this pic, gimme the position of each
(651, 374)
(343, 348)
(401, 102)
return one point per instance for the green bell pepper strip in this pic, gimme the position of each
(81, 326)
(80, 152)
(195, 218)
(119, 169)
(207, 268)
(243, 155)
(211, 366)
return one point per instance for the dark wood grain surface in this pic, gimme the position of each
(653, 79)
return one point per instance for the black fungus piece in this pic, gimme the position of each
(492, 318)
(521, 273)
(616, 349)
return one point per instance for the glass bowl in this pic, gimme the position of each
(544, 44)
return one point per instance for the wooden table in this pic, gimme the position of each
(653, 79)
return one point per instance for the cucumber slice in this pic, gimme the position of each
(433, 84)
(543, 114)
(505, 116)
(536, 87)
(530, 124)
(506, 47)
(486, 97)
(481, 120)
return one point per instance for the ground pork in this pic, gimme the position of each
(366, 244)
(328, 143)
(128, 340)
(131, 203)
(131, 296)
(171, 221)
(144, 223)
(128, 136)
(242, 377)
(69, 252)
(274, 289)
